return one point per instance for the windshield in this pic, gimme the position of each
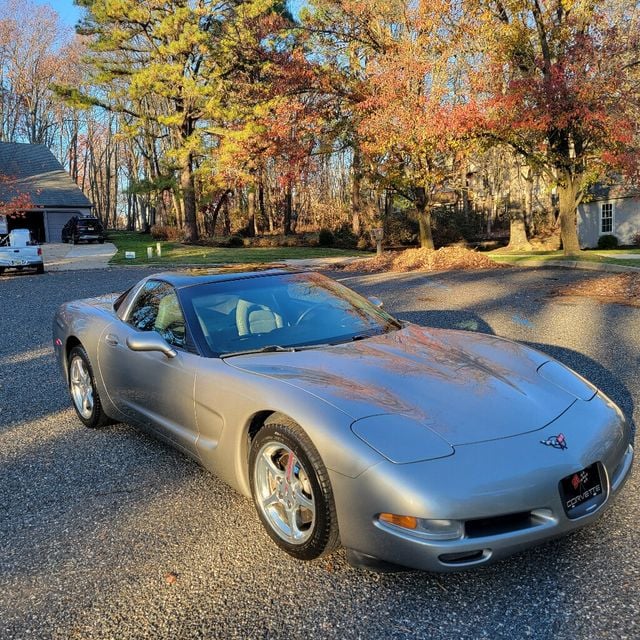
(279, 312)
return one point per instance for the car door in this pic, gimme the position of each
(148, 387)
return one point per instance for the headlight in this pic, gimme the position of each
(567, 380)
(424, 528)
(401, 439)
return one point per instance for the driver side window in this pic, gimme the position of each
(157, 309)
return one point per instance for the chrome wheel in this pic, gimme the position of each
(284, 493)
(81, 387)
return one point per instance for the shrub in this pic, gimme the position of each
(235, 241)
(166, 232)
(400, 229)
(364, 244)
(325, 238)
(607, 242)
(344, 238)
(635, 241)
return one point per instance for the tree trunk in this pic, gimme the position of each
(252, 227)
(288, 210)
(518, 240)
(189, 200)
(356, 191)
(567, 218)
(226, 218)
(423, 213)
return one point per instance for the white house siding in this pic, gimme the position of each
(55, 221)
(626, 221)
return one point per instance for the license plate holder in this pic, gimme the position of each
(582, 492)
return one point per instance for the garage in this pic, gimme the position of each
(43, 194)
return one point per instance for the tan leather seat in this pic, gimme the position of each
(169, 313)
(256, 318)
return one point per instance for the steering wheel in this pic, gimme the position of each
(309, 313)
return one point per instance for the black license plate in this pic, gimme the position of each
(580, 488)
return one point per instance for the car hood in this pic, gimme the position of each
(467, 387)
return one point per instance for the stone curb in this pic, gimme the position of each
(577, 264)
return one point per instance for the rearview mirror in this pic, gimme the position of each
(150, 341)
(376, 302)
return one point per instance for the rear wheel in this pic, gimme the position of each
(291, 490)
(83, 390)
(40, 269)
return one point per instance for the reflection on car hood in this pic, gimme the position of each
(467, 387)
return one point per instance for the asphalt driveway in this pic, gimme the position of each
(59, 256)
(110, 534)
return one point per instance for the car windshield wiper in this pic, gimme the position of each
(271, 348)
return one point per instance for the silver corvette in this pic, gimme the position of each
(411, 447)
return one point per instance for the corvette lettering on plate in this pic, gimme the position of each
(581, 486)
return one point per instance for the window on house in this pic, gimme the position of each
(606, 218)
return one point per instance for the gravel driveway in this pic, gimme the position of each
(110, 534)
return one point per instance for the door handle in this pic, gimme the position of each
(111, 340)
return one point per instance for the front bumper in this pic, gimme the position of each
(497, 483)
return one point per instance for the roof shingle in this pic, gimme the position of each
(34, 171)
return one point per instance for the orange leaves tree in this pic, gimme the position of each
(557, 82)
(275, 113)
(397, 62)
(13, 201)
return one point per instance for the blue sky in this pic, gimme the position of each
(69, 13)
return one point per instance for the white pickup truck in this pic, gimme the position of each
(18, 252)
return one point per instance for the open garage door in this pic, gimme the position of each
(32, 220)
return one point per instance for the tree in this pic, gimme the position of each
(396, 67)
(558, 83)
(155, 61)
(13, 200)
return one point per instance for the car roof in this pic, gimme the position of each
(197, 276)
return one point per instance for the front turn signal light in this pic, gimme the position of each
(425, 528)
(406, 522)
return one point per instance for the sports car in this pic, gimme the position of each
(412, 447)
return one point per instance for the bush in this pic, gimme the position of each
(325, 238)
(235, 241)
(635, 241)
(364, 244)
(344, 238)
(607, 242)
(166, 232)
(400, 229)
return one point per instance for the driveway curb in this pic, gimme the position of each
(577, 264)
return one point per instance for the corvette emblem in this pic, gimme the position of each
(557, 442)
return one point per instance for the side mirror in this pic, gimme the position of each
(150, 341)
(376, 302)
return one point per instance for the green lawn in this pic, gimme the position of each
(590, 255)
(176, 253)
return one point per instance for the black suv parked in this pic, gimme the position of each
(83, 230)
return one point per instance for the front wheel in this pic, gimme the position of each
(83, 390)
(291, 490)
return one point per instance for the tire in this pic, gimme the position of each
(40, 269)
(301, 515)
(101, 241)
(94, 417)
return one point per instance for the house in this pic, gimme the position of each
(32, 171)
(611, 210)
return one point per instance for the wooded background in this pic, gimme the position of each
(443, 119)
